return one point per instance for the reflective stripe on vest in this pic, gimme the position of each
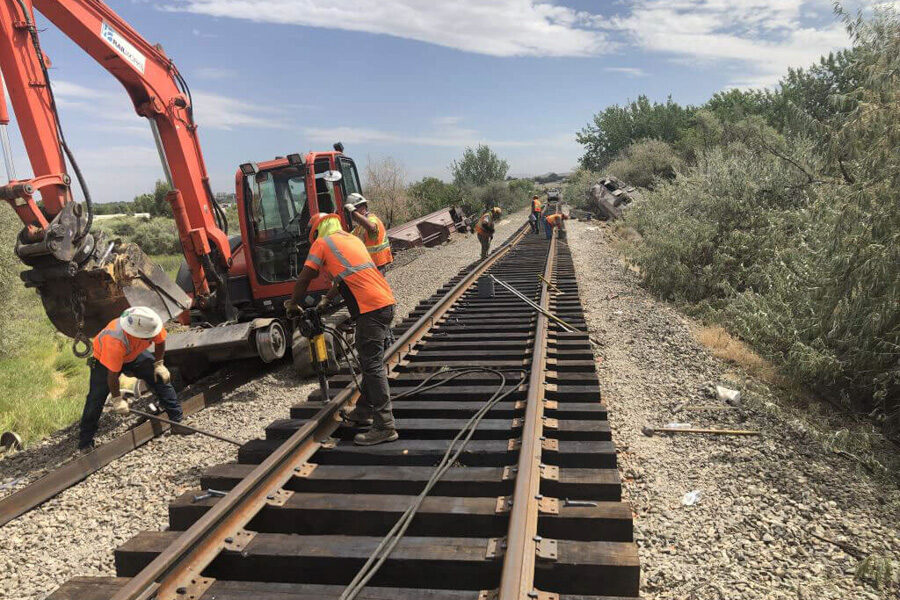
(119, 334)
(348, 268)
(361, 232)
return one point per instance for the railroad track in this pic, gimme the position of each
(530, 507)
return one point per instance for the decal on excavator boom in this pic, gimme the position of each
(123, 47)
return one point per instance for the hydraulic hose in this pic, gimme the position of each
(32, 31)
(385, 548)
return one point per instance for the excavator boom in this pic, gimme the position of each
(85, 280)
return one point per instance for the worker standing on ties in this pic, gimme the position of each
(535, 217)
(122, 347)
(556, 221)
(370, 301)
(484, 229)
(370, 230)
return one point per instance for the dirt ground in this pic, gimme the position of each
(767, 504)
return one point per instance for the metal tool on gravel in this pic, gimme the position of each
(174, 425)
(650, 431)
(210, 493)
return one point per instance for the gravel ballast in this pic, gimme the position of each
(76, 532)
(766, 503)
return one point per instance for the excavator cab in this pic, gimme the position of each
(275, 202)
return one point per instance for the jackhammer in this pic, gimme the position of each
(312, 327)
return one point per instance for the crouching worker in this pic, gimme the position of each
(346, 260)
(484, 229)
(556, 221)
(122, 347)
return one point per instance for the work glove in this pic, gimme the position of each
(120, 405)
(322, 304)
(349, 207)
(160, 372)
(292, 309)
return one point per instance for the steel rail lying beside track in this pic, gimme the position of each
(291, 528)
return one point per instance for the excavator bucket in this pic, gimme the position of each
(81, 299)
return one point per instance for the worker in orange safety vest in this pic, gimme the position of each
(484, 229)
(370, 230)
(345, 259)
(535, 217)
(556, 221)
(122, 347)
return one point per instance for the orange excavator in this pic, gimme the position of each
(230, 289)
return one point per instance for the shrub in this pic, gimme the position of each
(706, 233)
(157, 236)
(643, 163)
(10, 266)
(578, 188)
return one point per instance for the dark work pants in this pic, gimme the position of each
(389, 340)
(548, 229)
(372, 329)
(534, 222)
(142, 368)
(485, 245)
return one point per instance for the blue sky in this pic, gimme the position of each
(419, 80)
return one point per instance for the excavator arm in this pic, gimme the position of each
(56, 240)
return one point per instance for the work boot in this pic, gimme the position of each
(375, 436)
(355, 419)
(82, 450)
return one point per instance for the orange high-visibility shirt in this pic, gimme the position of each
(535, 205)
(115, 348)
(347, 262)
(485, 225)
(379, 246)
(555, 220)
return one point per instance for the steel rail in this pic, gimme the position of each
(46, 487)
(517, 578)
(183, 561)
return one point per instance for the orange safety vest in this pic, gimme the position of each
(346, 260)
(113, 347)
(485, 225)
(535, 205)
(555, 220)
(379, 247)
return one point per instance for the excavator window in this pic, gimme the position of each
(350, 180)
(325, 200)
(279, 213)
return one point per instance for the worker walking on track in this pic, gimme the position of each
(534, 218)
(556, 221)
(370, 230)
(484, 229)
(370, 301)
(122, 347)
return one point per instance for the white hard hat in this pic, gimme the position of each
(357, 199)
(141, 322)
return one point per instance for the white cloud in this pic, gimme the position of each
(67, 90)
(113, 110)
(442, 136)
(761, 38)
(627, 71)
(214, 111)
(497, 28)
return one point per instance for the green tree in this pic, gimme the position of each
(154, 203)
(431, 194)
(478, 167)
(612, 130)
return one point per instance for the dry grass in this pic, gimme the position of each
(728, 348)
